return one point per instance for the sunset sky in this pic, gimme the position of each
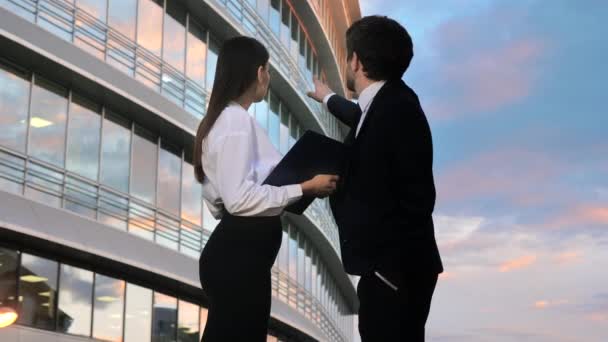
(516, 95)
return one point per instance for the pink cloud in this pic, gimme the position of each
(588, 214)
(521, 262)
(479, 71)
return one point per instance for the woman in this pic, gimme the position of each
(232, 157)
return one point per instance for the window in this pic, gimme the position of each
(108, 308)
(192, 193)
(115, 152)
(14, 102)
(138, 318)
(174, 44)
(214, 50)
(295, 29)
(164, 318)
(188, 322)
(9, 260)
(293, 132)
(170, 163)
(197, 53)
(88, 36)
(293, 253)
(122, 16)
(47, 122)
(263, 9)
(37, 292)
(75, 293)
(274, 120)
(302, 50)
(143, 181)
(261, 113)
(149, 25)
(83, 137)
(284, 130)
(285, 15)
(275, 16)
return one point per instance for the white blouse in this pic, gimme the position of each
(237, 157)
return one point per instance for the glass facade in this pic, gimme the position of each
(63, 148)
(72, 300)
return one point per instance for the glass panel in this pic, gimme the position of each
(284, 130)
(90, 36)
(293, 253)
(301, 258)
(164, 318)
(294, 36)
(141, 221)
(150, 24)
(108, 310)
(197, 53)
(9, 260)
(11, 173)
(169, 169)
(115, 152)
(308, 275)
(273, 120)
(192, 194)
(37, 292)
(285, 15)
(47, 122)
(167, 231)
(83, 138)
(138, 314)
(263, 9)
(214, 50)
(275, 16)
(122, 16)
(284, 253)
(75, 301)
(143, 182)
(80, 197)
(302, 50)
(293, 132)
(14, 101)
(174, 46)
(188, 323)
(261, 113)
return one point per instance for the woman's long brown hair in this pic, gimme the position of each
(237, 70)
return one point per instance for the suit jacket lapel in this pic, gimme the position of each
(373, 105)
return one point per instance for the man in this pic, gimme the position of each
(384, 203)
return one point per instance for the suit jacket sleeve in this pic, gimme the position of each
(345, 110)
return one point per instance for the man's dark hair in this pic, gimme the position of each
(383, 46)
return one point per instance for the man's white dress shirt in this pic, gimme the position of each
(365, 100)
(237, 157)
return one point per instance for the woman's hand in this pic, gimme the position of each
(320, 186)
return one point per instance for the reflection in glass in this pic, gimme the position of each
(188, 323)
(262, 8)
(108, 308)
(293, 132)
(115, 152)
(122, 15)
(37, 292)
(261, 113)
(301, 258)
(293, 253)
(83, 137)
(214, 50)
(9, 260)
(192, 193)
(149, 25)
(47, 122)
(285, 15)
(308, 268)
(88, 36)
(138, 314)
(14, 98)
(169, 178)
(164, 318)
(75, 301)
(174, 46)
(275, 16)
(197, 53)
(284, 130)
(294, 36)
(143, 182)
(273, 120)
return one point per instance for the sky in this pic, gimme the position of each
(515, 95)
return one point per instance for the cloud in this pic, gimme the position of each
(515, 264)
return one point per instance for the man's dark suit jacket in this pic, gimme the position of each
(384, 202)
